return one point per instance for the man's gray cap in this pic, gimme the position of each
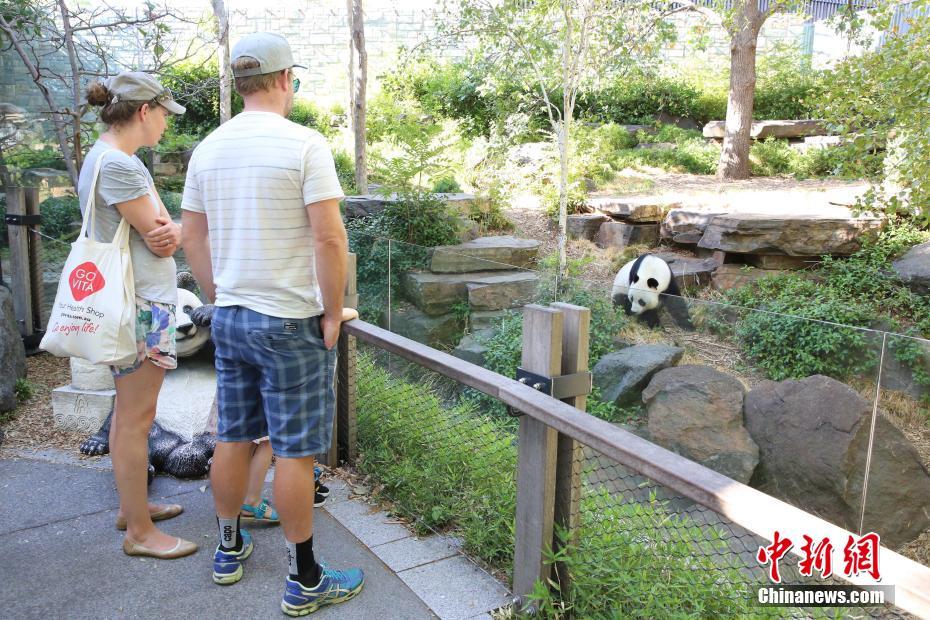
(270, 50)
(139, 86)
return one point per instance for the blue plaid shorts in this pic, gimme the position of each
(274, 378)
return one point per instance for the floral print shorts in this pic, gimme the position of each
(155, 337)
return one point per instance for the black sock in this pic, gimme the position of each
(302, 566)
(228, 541)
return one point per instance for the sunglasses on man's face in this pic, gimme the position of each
(296, 85)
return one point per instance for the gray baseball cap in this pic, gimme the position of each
(270, 50)
(139, 86)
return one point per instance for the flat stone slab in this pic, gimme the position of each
(503, 292)
(686, 224)
(621, 234)
(455, 588)
(629, 209)
(437, 293)
(485, 254)
(431, 330)
(794, 234)
(771, 129)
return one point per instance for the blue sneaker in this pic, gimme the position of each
(336, 586)
(227, 565)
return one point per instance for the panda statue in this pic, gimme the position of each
(168, 452)
(645, 285)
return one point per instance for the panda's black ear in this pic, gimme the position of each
(652, 283)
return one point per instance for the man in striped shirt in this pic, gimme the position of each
(265, 239)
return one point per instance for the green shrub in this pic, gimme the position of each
(446, 185)
(307, 114)
(24, 157)
(691, 152)
(197, 88)
(345, 170)
(172, 201)
(806, 324)
(771, 157)
(173, 144)
(445, 468)
(58, 214)
(638, 100)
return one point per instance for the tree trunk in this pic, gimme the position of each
(734, 157)
(222, 52)
(358, 78)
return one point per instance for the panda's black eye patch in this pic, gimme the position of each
(187, 309)
(652, 283)
(635, 279)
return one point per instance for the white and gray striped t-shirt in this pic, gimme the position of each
(253, 177)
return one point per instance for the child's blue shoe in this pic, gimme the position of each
(227, 565)
(336, 586)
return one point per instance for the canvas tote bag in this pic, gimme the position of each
(94, 313)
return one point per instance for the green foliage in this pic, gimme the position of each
(879, 99)
(771, 157)
(640, 560)
(309, 115)
(445, 468)
(24, 389)
(691, 152)
(24, 157)
(196, 87)
(173, 144)
(638, 100)
(345, 170)
(825, 307)
(446, 185)
(58, 214)
(172, 201)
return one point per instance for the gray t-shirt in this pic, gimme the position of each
(123, 178)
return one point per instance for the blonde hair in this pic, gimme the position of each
(252, 83)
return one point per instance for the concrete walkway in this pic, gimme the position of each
(61, 555)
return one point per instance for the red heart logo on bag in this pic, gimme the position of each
(85, 280)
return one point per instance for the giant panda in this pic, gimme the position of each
(190, 336)
(644, 285)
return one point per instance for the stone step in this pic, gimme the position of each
(771, 129)
(629, 209)
(440, 331)
(794, 234)
(485, 254)
(621, 234)
(689, 273)
(686, 224)
(437, 293)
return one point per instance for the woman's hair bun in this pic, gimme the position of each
(98, 94)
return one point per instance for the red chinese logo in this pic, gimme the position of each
(85, 280)
(861, 556)
(819, 557)
(774, 552)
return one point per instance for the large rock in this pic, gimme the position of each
(629, 209)
(793, 234)
(771, 129)
(485, 254)
(473, 348)
(690, 273)
(438, 293)
(435, 331)
(12, 352)
(813, 438)
(687, 224)
(622, 375)
(697, 412)
(621, 234)
(585, 225)
(502, 292)
(914, 268)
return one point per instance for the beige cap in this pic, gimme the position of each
(139, 86)
(270, 50)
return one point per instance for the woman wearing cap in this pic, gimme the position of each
(135, 107)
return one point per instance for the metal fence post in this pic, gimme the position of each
(345, 434)
(575, 339)
(536, 461)
(35, 259)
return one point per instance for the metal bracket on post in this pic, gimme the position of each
(13, 219)
(562, 386)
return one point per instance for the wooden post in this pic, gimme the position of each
(537, 443)
(35, 260)
(575, 338)
(346, 420)
(19, 261)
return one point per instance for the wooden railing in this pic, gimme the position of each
(551, 433)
